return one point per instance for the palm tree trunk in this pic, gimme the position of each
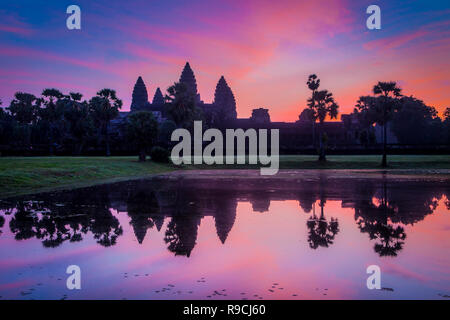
(50, 138)
(322, 156)
(384, 160)
(322, 215)
(108, 151)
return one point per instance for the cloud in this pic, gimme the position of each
(265, 49)
(394, 42)
(11, 24)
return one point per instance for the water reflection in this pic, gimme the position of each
(383, 206)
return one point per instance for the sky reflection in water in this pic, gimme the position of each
(233, 234)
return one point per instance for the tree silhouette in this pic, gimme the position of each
(24, 107)
(313, 84)
(390, 238)
(142, 130)
(182, 108)
(181, 234)
(2, 222)
(413, 113)
(375, 220)
(51, 115)
(80, 123)
(54, 224)
(321, 233)
(321, 104)
(446, 126)
(105, 107)
(381, 108)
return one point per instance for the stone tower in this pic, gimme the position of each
(224, 101)
(140, 98)
(188, 78)
(260, 115)
(158, 99)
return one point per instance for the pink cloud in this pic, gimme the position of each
(16, 30)
(395, 41)
(12, 24)
(45, 55)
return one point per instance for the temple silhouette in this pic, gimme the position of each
(221, 113)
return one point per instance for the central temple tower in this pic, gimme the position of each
(188, 78)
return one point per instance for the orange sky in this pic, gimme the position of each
(265, 49)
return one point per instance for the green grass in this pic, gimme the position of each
(22, 175)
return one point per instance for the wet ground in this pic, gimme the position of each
(233, 235)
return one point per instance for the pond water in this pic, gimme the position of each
(232, 235)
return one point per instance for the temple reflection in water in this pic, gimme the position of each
(176, 204)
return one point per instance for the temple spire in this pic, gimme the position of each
(158, 99)
(140, 96)
(224, 101)
(188, 78)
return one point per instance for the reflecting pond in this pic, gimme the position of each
(232, 235)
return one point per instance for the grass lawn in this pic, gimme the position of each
(22, 175)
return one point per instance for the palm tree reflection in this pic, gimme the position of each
(321, 233)
(376, 221)
(2, 222)
(390, 239)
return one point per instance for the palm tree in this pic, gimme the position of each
(105, 107)
(321, 232)
(389, 93)
(321, 104)
(381, 108)
(313, 84)
(182, 107)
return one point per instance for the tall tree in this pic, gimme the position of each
(142, 130)
(381, 108)
(182, 107)
(446, 125)
(424, 119)
(80, 123)
(52, 115)
(105, 106)
(24, 107)
(313, 84)
(321, 104)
